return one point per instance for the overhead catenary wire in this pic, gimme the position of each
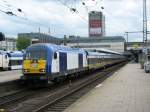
(73, 10)
(9, 6)
(10, 10)
(8, 13)
(13, 11)
(31, 22)
(5, 7)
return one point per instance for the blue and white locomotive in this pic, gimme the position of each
(48, 62)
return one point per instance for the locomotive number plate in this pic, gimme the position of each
(34, 65)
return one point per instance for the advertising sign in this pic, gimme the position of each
(95, 28)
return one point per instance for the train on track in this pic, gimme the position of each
(48, 62)
(11, 60)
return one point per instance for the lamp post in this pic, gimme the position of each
(126, 33)
(144, 23)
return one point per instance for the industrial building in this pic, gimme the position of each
(96, 24)
(115, 43)
(41, 37)
(8, 44)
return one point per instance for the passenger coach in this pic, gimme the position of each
(11, 60)
(103, 58)
(15, 60)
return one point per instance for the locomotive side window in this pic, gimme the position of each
(55, 55)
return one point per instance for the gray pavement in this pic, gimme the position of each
(6, 76)
(127, 90)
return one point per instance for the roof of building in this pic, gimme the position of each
(10, 39)
(74, 39)
(96, 39)
(38, 35)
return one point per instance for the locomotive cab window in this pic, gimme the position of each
(55, 55)
(36, 53)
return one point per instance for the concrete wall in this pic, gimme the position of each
(115, 46)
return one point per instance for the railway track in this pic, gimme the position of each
(60, 98)
(14, 97)
(9, 81)
(9, 87)
(70, 97)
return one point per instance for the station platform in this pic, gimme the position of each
(6, 76)
(127, 90)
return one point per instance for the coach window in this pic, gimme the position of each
(55, 55)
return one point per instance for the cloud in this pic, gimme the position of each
(121, 16)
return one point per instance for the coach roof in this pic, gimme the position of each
(15, 54)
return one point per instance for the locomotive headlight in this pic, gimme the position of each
(42, 70)
(26, 70)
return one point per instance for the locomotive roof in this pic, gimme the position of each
(57, 47)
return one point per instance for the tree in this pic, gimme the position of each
(135, 46)
(23, 43)
(2, 36)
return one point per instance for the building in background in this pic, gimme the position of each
(115, 43)
(96, 24)
(41, 38)
(8, 44)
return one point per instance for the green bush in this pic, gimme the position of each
(23, 43)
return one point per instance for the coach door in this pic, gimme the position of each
(63, 62)
(5, 60)
(80, 60)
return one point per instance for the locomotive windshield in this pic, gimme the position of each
(35, 53)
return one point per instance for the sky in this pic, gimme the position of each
(120, 16)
